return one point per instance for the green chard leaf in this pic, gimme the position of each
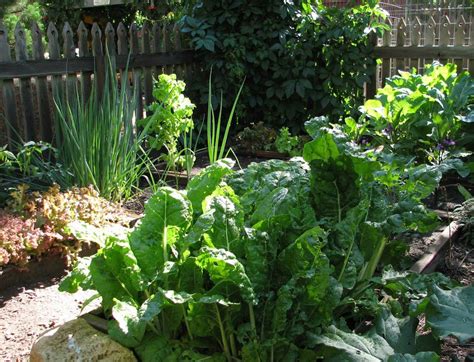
(204, 184)
(223, 266)
(167, 215)
(451, 313)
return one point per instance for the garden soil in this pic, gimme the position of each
(27, 312)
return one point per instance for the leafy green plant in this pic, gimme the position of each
(421, 115)
(32, 164)
(256, 137)
(171, 117)
(288, 144)
(97, 142)
(300, 59)
(274, 262)
(216, 148)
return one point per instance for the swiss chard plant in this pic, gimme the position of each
(281, 261)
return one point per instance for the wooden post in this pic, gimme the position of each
(42, 94)
(99, 65)
(82, 36)
(137, 76)
(147, 72)
(25, 86)
(8, 92)
(69, 53)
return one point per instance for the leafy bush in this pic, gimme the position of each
(171, 117)
(299, 59)
(256, 137)
(422, 115)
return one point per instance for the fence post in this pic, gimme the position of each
(25, 85)
(42, 94)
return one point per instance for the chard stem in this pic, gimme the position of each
(186, 322)
(223, 337)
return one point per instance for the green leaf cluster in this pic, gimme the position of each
(427, 115)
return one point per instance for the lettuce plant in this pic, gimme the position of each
(171, 116)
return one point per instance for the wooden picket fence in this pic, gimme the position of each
(59, 66)
(422, 40)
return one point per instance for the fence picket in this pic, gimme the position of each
(157, 46)
(25, 86)
(147, 71)
(99, 65)
(53, 48)
(415, 37)
(400, 41)
(459, 35)
(42, 94)
(137, 74)
(69, 53)
(8, 90)
(386, 62)
(83, 45)
(471, 46)
(444, 35)
(429, 35)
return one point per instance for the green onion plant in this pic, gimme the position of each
(216, 147)
(97, 140)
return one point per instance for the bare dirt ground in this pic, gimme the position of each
(26, 312)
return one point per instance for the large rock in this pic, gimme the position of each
(76, 340)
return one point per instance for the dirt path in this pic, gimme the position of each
(26, 312)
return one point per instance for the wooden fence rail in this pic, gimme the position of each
(57, 65)
(419, 41)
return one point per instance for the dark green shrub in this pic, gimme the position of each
(300, 60)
